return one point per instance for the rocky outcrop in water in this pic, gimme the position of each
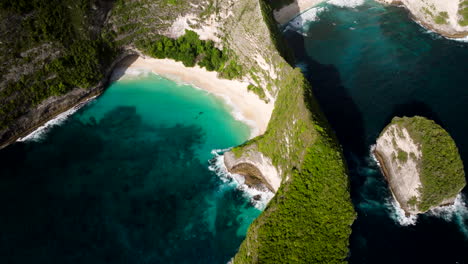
(421, 164)
(448, 17)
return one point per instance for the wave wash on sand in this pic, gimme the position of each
(245, 106)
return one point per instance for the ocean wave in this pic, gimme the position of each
(259, 198)
(123, 74)
(346, 3)
(457, 212)
(465, 39)
(436, 35)
(399, 215)
(396, 212)
(38, 134)
(372, 155)
(300, 23)
(232, 108)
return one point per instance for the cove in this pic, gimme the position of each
(366, 65)
(126, 180)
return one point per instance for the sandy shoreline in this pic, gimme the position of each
(246, 106)
(285, 14)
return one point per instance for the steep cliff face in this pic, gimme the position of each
(447, 17)
(309, 219)
(55, 54)
(421, 164)
(400, 157)
(305, 222)
(257, 169)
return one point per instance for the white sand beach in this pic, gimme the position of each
(246, 106)
(285, 14)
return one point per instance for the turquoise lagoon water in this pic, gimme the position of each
(366, 65)
(126, 180)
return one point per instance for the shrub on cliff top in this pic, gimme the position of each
(441, 168)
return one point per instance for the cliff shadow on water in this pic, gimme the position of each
(417, 74)
(338, 106)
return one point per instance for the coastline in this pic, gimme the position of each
(286, 13)
(245, 106)
(448, 30)
(53, 107)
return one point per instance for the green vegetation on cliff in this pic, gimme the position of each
(78, 53)
(190, 50)
(309, 219)
(441, 168)
(463, 12)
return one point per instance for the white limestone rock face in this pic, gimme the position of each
(401, 173)
(255, 167)
(421, 163)
(441, 16)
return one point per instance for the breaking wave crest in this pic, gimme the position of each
(457, 212)
(259, 198)
(300, 23)
(399, 215)
(346, 3)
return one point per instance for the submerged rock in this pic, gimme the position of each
(421, 164)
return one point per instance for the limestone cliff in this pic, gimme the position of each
(309, 220)
(447, 17)
(421, 164)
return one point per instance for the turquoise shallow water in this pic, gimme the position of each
(126, 180)
(366, 65)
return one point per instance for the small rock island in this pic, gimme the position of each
(421, 164)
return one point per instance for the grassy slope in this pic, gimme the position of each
(309, 220)
(463, 12)
(441, 168)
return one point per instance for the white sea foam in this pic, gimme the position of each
(374, 158)
(237, 114)
(457, 212)
(436, 35)
(399, 215)
(232, 108)
(346, 3)
(238, 181)
(449, 211)
(120, 74)
(465, 39)
(133, 73)
(300, 23)
(396, 212)
(39, 133)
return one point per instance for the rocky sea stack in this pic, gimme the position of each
(421, 163)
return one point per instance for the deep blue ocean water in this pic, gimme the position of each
(126, 180)
(366, 65)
